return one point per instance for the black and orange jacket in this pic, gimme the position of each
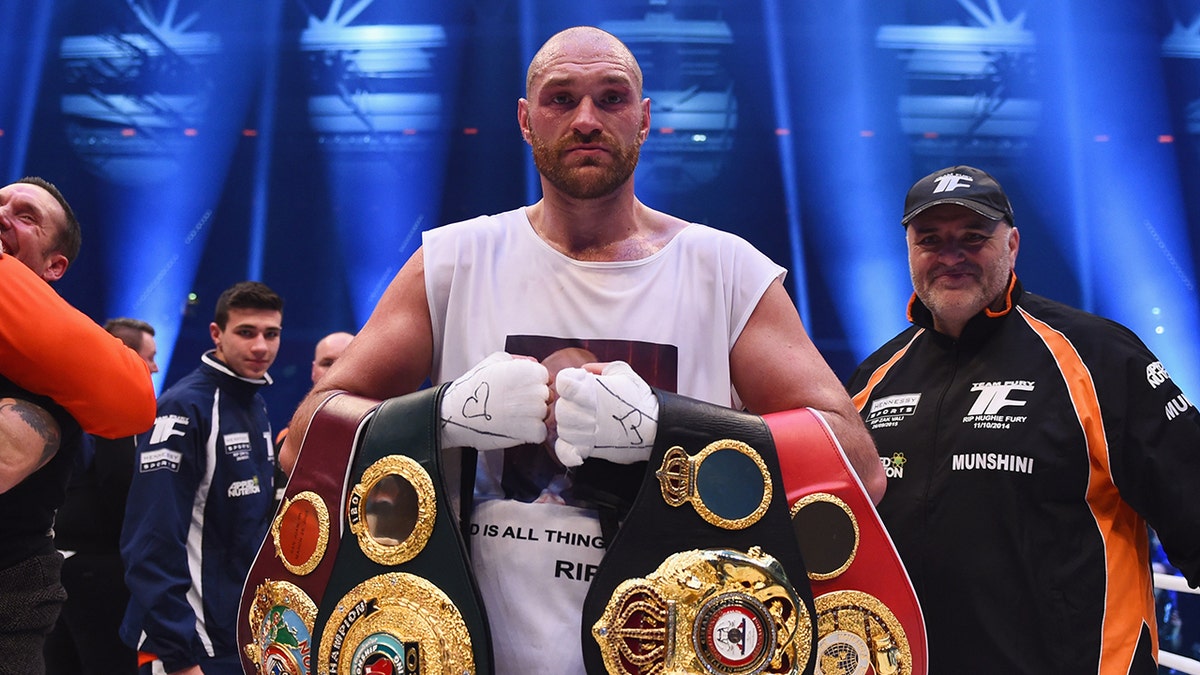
(1024, 461)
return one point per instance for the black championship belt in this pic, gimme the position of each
(400, 597)
(704, 575)
(868, 617)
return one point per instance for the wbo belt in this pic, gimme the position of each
(399, 597)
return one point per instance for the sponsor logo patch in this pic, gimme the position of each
(243, 488)
(153, 460)
(889, 411)
(1156, 374)
(238, 445)
(894, 466)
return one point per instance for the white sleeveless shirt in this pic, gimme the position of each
(493, 284)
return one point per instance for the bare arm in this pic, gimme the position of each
(50, 348)
(29, 437)
(392, 355)
(775, 367)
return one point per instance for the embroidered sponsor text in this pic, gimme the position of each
(992, 461)
(244, 488)
(153, 460)
(1156, 374)
(1177, 406)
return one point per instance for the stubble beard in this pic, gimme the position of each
(577, 183)
(962, 304)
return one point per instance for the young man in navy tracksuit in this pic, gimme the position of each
(200, 503)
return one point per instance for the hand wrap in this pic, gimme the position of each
(613, 416)
(499, 403)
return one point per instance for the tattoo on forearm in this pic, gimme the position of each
(40, 421)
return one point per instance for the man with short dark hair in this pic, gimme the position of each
(40, 228)
(87, 531)
(202, 495)
(1028, 444)
(59, 371)
(138, 336)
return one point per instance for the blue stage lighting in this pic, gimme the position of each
(848, 179)
(131, 99)
(378, 111)
(964, 83)
(693, 108)
(25, 28)
(155, 113)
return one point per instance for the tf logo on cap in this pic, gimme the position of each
(962, 185)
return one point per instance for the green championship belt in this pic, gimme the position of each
(402, 590)
(704, 574)
(400, 597)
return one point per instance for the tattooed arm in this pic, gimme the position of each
(29, 437)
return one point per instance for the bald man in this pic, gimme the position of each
(692, 309)
(328, 349)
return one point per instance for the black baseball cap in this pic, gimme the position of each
(962, 185)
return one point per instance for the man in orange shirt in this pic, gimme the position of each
(59, 372)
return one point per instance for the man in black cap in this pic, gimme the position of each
(1027, 446)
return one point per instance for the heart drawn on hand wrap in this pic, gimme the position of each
(476, 404)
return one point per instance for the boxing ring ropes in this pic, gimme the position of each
(1166, 659)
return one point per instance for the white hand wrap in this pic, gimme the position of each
(500, 403)
(613, 416)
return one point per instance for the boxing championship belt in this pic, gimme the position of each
(868, 617)
(704, 574)
(402, 597)
(278, 611)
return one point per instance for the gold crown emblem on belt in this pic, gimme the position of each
(718, 611)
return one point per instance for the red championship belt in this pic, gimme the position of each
(867, 611)
(287, 581)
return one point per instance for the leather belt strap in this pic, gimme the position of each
(849, 557)
(328, 443)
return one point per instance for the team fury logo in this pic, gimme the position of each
(163, 458)
(994, 397)
(948, 182)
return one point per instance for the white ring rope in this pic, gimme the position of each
(1176, 662)
(1170, 582)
